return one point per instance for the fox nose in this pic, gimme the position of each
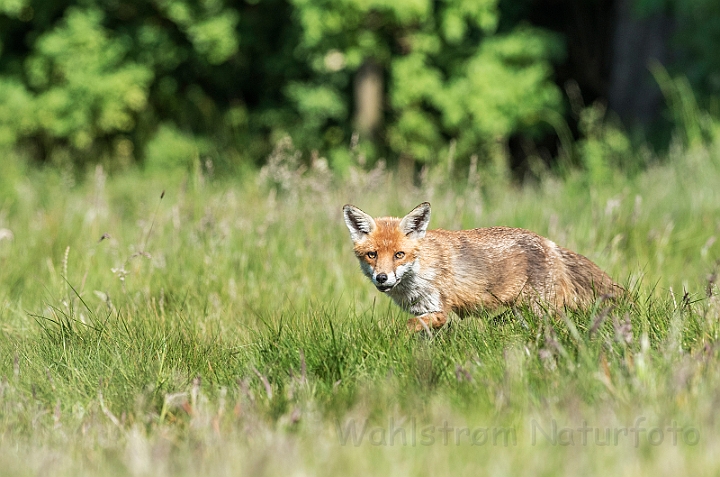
(381, 277)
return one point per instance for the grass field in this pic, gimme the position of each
(225, 329)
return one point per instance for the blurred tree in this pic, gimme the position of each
(85, 87)
(90, 79)
(449, 73)
(123, 80)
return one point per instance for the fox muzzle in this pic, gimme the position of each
(384, 282)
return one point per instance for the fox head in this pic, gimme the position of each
(387, 246)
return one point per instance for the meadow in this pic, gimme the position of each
(186, 324)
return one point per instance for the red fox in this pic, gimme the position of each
(430, 273)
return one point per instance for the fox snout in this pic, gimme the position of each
(384, 282)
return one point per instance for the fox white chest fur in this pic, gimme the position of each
(430, 273)
(417, 293)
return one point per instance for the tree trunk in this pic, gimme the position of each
(368, 99)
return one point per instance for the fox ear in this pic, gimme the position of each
(416, 222)
(358, 222)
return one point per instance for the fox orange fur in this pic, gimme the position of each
(430, 273)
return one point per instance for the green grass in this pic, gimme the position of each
(226, 329)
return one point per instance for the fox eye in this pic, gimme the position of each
(399, 255)
(371, 255)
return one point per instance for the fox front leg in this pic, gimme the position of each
(428, 320)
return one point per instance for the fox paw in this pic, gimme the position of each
(416, 324)
(426, 322)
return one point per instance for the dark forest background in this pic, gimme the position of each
(526, 84)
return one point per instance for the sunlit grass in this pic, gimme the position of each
(159, 326)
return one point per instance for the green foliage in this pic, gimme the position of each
(506, 88)
(171, 150)
(102, 74)
(85, 87)
(17, 115)
(13, 7)
(450, 75)
(318, 106)
(604, 149)
(84, 77)
(210, 28)
(90, 81)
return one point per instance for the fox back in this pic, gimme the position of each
(430, 273)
